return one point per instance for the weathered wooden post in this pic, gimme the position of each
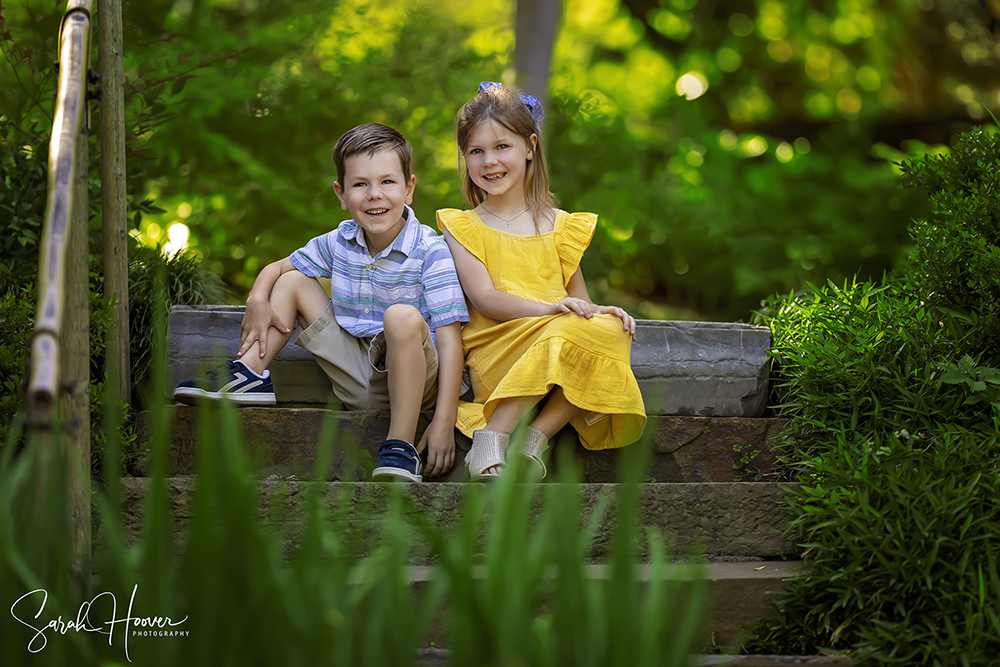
(59, 386)
(113, 206)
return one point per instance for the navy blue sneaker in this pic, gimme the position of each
(234, 381)
(398, 461)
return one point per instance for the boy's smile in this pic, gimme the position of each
(375, 192)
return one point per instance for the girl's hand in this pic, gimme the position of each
(573, 305)
(628, 322)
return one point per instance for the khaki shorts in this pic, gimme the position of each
(356, 366)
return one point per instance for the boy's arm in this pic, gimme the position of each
(260, 316)
(496, 304)
(439, 437)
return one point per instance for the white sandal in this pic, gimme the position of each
(535, 445)
(488, 451)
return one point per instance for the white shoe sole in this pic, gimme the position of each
(191, 395)
(393, 474)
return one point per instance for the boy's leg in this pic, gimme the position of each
(294, 296)
(404, 331)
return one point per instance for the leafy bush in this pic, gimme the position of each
(187, 281)
(867, 358)
(956, 256)
(17, 310)
(901, 533)
(894, 392)
(23, 184)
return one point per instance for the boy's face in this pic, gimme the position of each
(374, 192)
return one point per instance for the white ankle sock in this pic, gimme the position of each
(267, 373)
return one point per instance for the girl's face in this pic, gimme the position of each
(497, 159)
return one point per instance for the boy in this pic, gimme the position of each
(390, 336)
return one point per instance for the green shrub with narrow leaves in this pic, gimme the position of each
(894, 394)
(955, 264)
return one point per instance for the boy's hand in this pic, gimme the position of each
(439, 439)
(628, 322)
(259, 317)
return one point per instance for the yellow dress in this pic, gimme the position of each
(529, 356)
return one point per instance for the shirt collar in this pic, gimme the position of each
(405, 242)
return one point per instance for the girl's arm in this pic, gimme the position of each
(577, 288)
(499, 305)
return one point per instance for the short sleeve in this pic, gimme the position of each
(442, 291)
(575, 233)
(465, 230)
(316, 258)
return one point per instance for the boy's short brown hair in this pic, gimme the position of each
(368, 139)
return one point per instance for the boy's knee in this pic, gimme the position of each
(290, 282)
(403, 320)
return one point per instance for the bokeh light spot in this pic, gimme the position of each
(692, 85)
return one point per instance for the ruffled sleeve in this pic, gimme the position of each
(575, 232)
(465, 230)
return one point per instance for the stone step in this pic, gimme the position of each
(284, 442)
(442, 658)
(739, 593)
(735, 527)
(707, 369)
(723, 521)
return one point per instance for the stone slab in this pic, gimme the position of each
(284, 442)
(683, 368)
(442, 658)
(738, 594)
(719, 520)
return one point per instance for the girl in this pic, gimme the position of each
(534, 333)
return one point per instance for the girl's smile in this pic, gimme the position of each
(497, 160)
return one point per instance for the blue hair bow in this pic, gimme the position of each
(530, 101)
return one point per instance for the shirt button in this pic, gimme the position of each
(367, 310)
(368, 266)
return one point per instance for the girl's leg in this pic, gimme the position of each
(556, 413)
(509, 413)
(506, 416)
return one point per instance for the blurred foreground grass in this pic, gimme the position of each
(511, 590)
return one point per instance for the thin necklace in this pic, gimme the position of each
(483, 204)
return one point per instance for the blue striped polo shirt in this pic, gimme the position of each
(416, 268)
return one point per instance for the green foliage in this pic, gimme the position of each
(187, 281)
(901, 535)
(893, 391)
(956, 256)
(16, 322)
(865, 358)
(17, 310)
(775, 176)
(341, 595)
(25, 121)
(22, 202)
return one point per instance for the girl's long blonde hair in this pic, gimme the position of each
(504, 106)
